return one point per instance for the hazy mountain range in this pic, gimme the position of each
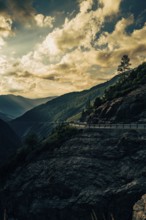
(63, 108)
(13, 106)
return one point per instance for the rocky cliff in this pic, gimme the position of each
(94, 173)
(122, 102)
(128, 108)
(139, 209)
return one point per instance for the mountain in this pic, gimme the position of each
(9, 142)
(90, 173)
(63, 108)
(5, 117)
(14, 106)
(81, 174)
(124, 102)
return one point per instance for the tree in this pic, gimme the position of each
(125, 64)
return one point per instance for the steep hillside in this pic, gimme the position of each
(123, 102)
(14, 106)
(9, 142)
(62, 108)
(93, 172)
(5, 117)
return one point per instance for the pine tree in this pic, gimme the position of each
(125, 64)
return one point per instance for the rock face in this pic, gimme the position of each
(131, 108)
(95, 173)
(139, 209)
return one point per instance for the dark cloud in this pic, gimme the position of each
(20, 11)
(3, 29)
(64, 66)
(49, 77)
(23, 11)
(138, 50)
(33, 86)
(20, 74)
(14, 90)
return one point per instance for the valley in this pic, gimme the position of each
(92, 166)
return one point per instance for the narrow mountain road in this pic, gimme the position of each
(109, 126)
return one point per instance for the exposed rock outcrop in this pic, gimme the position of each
(131, 108)
(139, 209)
(95, 173)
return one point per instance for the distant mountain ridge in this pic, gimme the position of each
(63, 108)
(5, 117)
(13, 106)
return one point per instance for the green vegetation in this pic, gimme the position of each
(59, 135)
(127, 82)
(134, 79)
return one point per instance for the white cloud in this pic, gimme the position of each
(79, 31)
(118, 36)
(86, 5)
(5, 29)
(44, 21)
(67, 64)
(119, 42)
(5, 26)
(66, 59)
(2, 42)
(110, 7)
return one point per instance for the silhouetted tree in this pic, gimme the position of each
(125, 64)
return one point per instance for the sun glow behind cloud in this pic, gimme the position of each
(74, 55)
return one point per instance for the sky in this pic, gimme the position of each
(53, 47)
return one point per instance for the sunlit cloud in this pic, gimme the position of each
(110, 7)
(44, 21)
(73, 56)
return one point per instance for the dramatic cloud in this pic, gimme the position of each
(80, 31)
(5, 26)
(81, 49)
(119, 42)
(21, 11)
(5, 29)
